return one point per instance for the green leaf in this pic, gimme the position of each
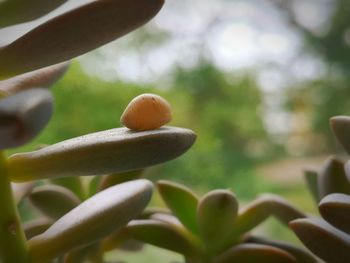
(299, 254)
(335, 208)
(161, 235)
(23, 116)
(324, 240)
(311, 181)
(252, 253)
(99, 153)
(73, 183)
(93, 220)
(260, 209)
(181, 201)
(39, 78)
(166, 218)
(332, 178)
(36, 226)
(118, 178)
(53, 201)
(21, 190)
(121, 239)
(341, 129)
(216, 213)
(74, 33)
(19, 11)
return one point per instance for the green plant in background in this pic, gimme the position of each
(329, 238)
(211, 229)
(25, 110)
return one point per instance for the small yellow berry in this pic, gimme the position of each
(146, 112)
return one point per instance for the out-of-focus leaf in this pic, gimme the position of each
(73, 183)
(53, 201)
(347, 170)
(260, 209)
(162, 235)
(181, 201)
(19, 11)
(121, 239)
(23, 116)
(39, 78)
(93, 184)
(311, 181)
(252, 253)
(324, 240)
(74, 33)
(37, 226)
(21, 190)
(109, 151)
(150, 211)
(335, 208)
(118, 178)
(332, 178)
(341, 128)
(216, 213)
(84, 254)
(299, 254)
(166, 218)
(94, 219)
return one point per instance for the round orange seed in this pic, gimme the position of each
(146, 112)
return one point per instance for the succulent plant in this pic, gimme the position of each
(30, 64)
(329, 238)
(213, 229)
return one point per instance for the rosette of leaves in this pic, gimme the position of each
(329, 237)
(213, 228)
(30, 63)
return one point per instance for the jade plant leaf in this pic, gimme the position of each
(73, 183)
(347, 170)
(335, 208)
(161, 235)
(53, 201)
(99, 153)
(166, 218)
(20, 11)
(252, 253)
(311, 181)
(74, 33)
(263, 207)
(39, 78)
(21, 190)
(23, 116)
(92, 220)
(216, 213)
(341, 129)
(118, 178)
(332, 178)
(299, 254)
(181, 201)
(324, 240)
(36, 226)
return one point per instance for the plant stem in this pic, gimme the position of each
(13, 247)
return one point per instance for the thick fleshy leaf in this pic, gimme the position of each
(94, 219)
(311, 181)
(341, 129)
(23, 116)
(39, 78)
(347, 170)
(121, 239)
(53, 201)
(37, 226)
(73, 183)
(332, 178)
(166, 218)
(21, 190)
(299, 254)
(161, 235)
(324, 240)
(74, 33)
(109, 151)
(181, 201)
(216, 213)
(19, 11)
(118, 178)
(335, 208)
(260, 209)
(252, 253)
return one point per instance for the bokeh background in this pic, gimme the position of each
(257, 80)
